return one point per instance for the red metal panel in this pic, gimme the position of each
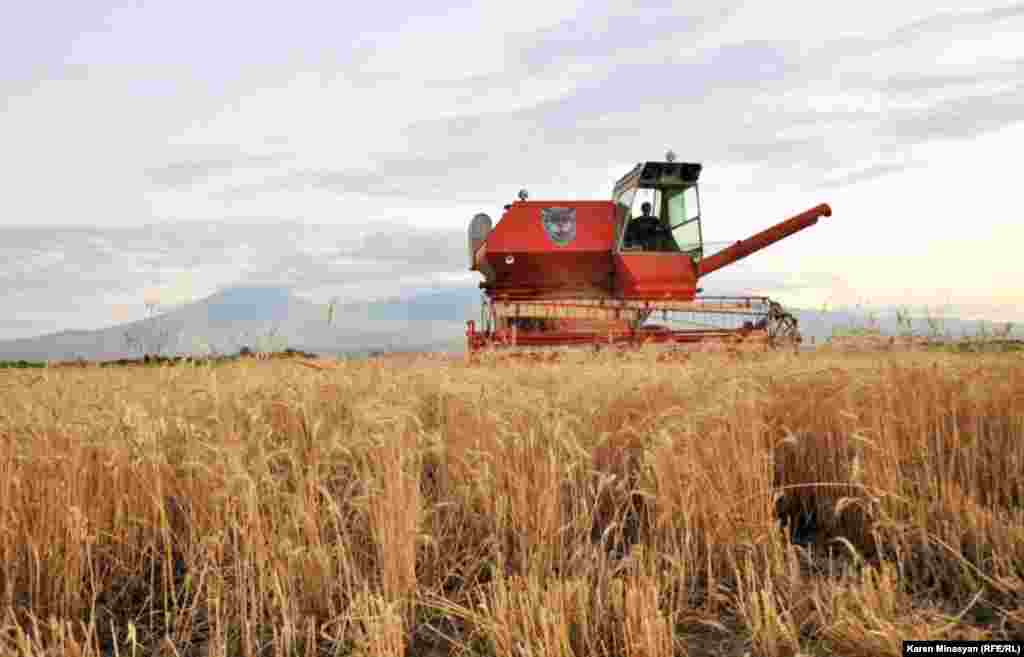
(528, 262)
(521, 229)
(551, 275)
(655, 276)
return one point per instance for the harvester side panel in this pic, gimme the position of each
(655, 276)
(529, 262)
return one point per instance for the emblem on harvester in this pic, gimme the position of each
(560, 224)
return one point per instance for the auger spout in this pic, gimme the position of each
(765, 238)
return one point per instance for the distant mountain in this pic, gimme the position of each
(252, 304)
(274, 318)
(453, 305)
(260, 317)
(821, 325)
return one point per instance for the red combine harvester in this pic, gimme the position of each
(560, 273)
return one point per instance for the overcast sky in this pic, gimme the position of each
(162, 150)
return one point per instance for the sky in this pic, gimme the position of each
(154, 152)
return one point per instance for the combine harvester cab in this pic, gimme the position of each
(559, 273)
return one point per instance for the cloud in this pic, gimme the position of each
(90, 278)
(311, 132)
(566, 90)
(395, 177)
(187, 173)
(766, 102)
(947, 21)
(961, 118)
(596, 34)
(415, 247)
(863, 175)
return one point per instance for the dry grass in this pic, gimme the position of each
(778, 505)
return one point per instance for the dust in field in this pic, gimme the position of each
(776, 504)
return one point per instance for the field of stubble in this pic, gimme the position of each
(773, 505)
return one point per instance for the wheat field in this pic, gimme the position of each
(777, 505)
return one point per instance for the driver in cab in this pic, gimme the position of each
(643, 231)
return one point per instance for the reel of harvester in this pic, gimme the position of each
(749, 322)
(619, 273)
(783, 329)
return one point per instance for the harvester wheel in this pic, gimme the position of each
(782, 329)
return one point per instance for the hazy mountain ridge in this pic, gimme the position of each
(258, 317)
(274, 318)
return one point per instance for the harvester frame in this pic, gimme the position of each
(570, 273)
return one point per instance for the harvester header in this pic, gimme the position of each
(571, 272)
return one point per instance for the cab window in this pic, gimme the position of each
(683, 212)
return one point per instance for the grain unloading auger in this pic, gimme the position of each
(594, 272)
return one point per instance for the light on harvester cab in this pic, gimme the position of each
(670, 156)
(523, 195)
